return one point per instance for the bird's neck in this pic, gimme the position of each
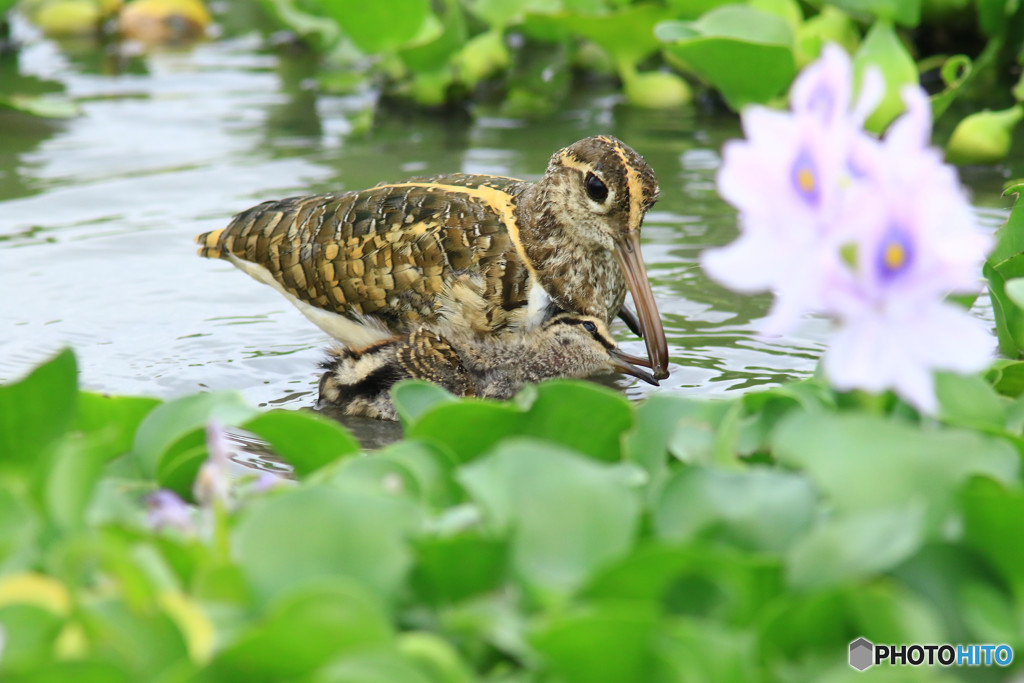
(578, 275)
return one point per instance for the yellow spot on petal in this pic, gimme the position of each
(805, 179)
(894, 256)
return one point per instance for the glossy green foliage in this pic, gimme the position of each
(1003, 270)
(566, 535)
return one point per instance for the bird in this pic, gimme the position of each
(357, 382)
(465, 251)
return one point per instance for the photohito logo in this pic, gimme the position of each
(865, 654)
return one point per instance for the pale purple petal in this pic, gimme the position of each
(165, 508)
(213, 483)
(872, 90)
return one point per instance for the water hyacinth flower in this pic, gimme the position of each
(873, 233)
(213, 482)
(165, 508)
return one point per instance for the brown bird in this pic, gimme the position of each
(358, 381)
(470, 252)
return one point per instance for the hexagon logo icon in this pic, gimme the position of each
(862, 653)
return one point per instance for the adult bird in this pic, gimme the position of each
(461, 251)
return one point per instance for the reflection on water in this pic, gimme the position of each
(97, 216)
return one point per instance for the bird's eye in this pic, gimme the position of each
(590, 327)
(596, 189)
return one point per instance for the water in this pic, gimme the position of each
(97, 216)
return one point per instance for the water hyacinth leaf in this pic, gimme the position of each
(883, 50)
(829, 26)
(36, 411)
(583, 416)
(956, 72)
(161, 434)
(697, 578)
(622, 632)
(19, 524)
(1008, 315)
(707, 650)
(569, 515)
(43, 106)
(469, 428)
(313, 624)
(375, 666)
(480, 57)
(1007, 377)
(431, 469)
(983, 137)
(380, 475)
(759, 509)
(627, 34)
(994, 15)
(453, 568)
(990, 512)
(434, 53)
(657, 422)
(119, 414)
(855, 545)
(745, 53)
(903, 12)
(970, 401)
(150, 635)
(311, 532)
(73, 473)
(376, 27)
(30, 644)
(434, 656)
(321, 32)
(413, 398)
(904, 461)
(304, 439)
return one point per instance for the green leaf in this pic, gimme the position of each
(435, 53)
(883, 50)
(413, 398)
(983, 137)
(991, 514)
(1007, 377)
(434, 656)
(376, 27)
(627, 35)
(970, 401)
(43, 106)
(1009, 317)
(855, 545)
(994, 15)
(450, 569)
(707, 650)
(375, 666)
(759, 509)
(37, 411)
(903, 12)
(315, 531)
(622, 633)
(745, 53)
(304, 439)
(72, 476)
(121, 415)
(303, 630)
(173, 428)
(469, 428)
(583, 416)
(861, 462)
(956, 72)
(568, 515)
(829, 26)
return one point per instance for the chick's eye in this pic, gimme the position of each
(596, 189)
(590, 327)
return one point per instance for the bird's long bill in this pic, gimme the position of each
(627, 364)
(632, 262)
